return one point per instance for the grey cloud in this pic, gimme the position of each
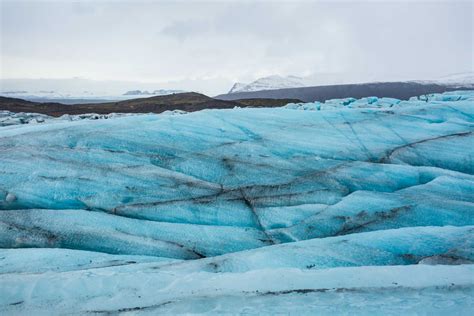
(182, 30)
(159, 41)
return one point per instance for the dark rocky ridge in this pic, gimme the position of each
(189, 101)
(399, 90)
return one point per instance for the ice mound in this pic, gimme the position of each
(8, 118)
(375, 102)
(96, 231)
(360, 207)
(404, 246)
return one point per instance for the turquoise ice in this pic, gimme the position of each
(315, 191)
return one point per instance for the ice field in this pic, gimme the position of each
(347, 206)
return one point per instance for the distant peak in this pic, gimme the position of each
(236, 87)
(269, 83)
(153, 93)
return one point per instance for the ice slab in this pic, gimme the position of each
(97, 231)
(402, 246)
(271, 175)
(392, 290)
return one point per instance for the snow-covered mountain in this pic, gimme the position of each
(49, 94)
(269, 83)
(459, 80)
(80, 88)
(83, 96)
(238, 86)
(155, 92)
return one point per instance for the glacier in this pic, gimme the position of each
(8, 118)
(345, 206)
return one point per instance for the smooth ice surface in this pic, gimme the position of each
(295, 202)
(390, 290)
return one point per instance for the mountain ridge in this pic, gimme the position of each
(268, 83)
(187, 101)
(399, 90)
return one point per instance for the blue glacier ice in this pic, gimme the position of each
(243, 210)
(403, 246)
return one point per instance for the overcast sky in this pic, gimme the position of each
(223, 41)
